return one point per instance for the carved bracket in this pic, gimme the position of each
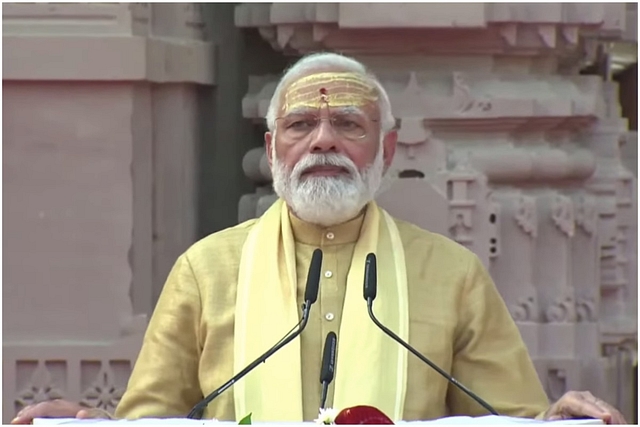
(561, 311)
(586, 213)
(526, 216)
(586, 310)
(524, 310)
(562, 214)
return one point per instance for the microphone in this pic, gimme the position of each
(328, 366)
(310, 296)
(370, 289)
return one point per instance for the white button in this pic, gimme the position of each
(329, 316)
(330, 236)
(328, 274)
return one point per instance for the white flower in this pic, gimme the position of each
(327, 416)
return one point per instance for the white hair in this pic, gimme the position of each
(327, 201)
(331, 61)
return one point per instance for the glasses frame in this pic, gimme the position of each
(317, 116)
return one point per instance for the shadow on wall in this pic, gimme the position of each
(225, 134)
(628, 80)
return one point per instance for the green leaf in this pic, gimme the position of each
(246, 420)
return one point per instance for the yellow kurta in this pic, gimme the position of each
(457, 319)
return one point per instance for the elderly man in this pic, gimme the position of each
(233, 294)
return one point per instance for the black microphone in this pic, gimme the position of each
(328, 366)
(370, 288)
(310, 296)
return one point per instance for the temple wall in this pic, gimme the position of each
(99, 138)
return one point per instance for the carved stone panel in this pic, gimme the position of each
(103, 382)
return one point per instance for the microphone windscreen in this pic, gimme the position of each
(328, 358)
(370, 277)
(313, 277)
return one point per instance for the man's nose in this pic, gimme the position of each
(325, 138)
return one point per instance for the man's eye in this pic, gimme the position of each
(346, 124)
(301, 124)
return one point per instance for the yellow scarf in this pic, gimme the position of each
(371, 369)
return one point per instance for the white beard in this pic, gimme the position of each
(327, 200)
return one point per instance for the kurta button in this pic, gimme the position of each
(330, 236)
(328, 274)
(329, 316)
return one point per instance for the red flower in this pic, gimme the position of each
(362, 415)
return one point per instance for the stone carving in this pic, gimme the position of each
(524, 310)
(39, 388)
(412, 132)
(571, 34)
(509, 33)
(526, 216)
(412, 94)
(586, 213)
(461, 162)
(466, 103)
(560, 311)
(547, 34)
(625, 189)
(461, 226)
(103, 393)
(58, 375)
(562, 214)
(586, 310)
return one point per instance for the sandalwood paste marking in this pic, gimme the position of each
(333, 89)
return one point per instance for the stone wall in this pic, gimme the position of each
(99, 149)
(507, 149)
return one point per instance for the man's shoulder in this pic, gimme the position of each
(226, 242)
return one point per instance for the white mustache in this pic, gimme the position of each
(329, 159)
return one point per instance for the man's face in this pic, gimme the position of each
(327, 154)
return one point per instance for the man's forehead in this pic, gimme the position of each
(344, 109)
(333, 89)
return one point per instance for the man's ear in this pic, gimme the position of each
(268, 141)
(389, 146)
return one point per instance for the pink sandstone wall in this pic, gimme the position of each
(99, 137)
(503, 147)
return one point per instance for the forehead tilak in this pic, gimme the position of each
(332, 88)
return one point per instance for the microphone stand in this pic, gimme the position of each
(323, 398)
(369, 292)
(310, 296)
(197, 411)
(452, 380)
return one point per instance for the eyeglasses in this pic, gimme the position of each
(351, 126)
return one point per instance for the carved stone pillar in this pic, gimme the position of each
(505, 148)
(98, 147)
(518, 230)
